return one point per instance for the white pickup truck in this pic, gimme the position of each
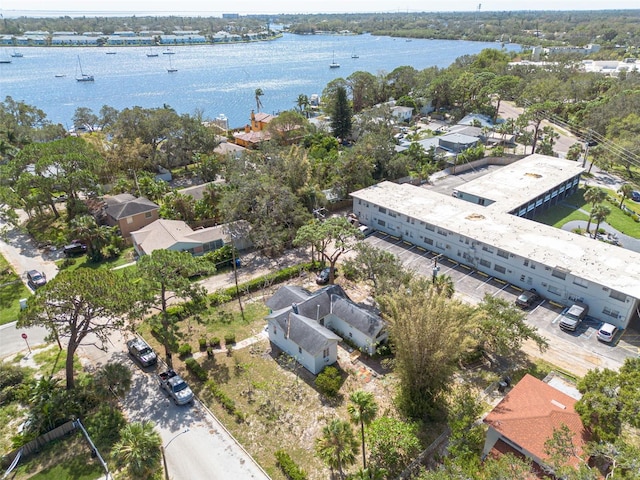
(176, 387)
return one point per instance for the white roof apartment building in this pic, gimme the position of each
(487, 226)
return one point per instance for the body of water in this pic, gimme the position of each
(212, 79)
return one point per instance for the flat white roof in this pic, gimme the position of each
(524, 180)
(596, 261)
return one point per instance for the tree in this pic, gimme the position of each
(113, 381)
(362, 409)
(594, 196)
(341, 118)
(166, 276)
(625, 192)
(500, 329)
(258, 93)
(429, 332)
(443, 285)
(84, 118)
(302, 103)
(467, 435)
(381, 268)
(330, 238)
(95, 236)
(337, 446)
(599, 213)
(138, 450)
(393, 443)
(80, 304)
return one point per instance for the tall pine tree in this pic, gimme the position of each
(341, 121)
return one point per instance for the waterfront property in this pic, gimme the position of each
(487, 226)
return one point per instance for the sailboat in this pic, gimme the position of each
(333, 64)
(171, 68)
(84, 77)
(17, 54)
(152, 53)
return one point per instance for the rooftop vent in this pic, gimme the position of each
(558, 404)
(475, 216)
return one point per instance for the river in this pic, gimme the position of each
(212, 79)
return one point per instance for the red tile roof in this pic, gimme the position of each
(528, 414)
(502, 448)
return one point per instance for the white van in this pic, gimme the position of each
(365, 231)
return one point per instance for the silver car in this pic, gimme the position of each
(607, 332)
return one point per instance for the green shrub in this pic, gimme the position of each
(104, 426)
(202, 341)
(177, 311)
(184, 350)
(214, 342)
(329, 381)
(194, 367)
(289, 467)
(227, 402)
(229, 338)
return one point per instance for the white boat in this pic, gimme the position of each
(168, 51)
(17, 55)
(84, 77)
(333, 63)
(60, 75)
(355, 55)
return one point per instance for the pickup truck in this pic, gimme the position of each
(573, 316)
(175, 387)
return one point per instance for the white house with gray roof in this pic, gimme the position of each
(306, 325)
(487, 227)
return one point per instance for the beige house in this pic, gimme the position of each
(129, 213)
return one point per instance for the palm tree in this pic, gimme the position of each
(95, 236)
(443, 285)
(258, 94)
(599, 214)
(594, 195)
(337, 446)
(302, 102)
(362, 409)
(113, 381)
(371, 473)
(139, 450)
(625, 190)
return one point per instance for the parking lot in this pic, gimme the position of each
(471, 286)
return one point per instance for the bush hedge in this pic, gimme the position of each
(194, 367)
(227, 402)
(329, 381)
(229, 338)
(289, 467)
(184, 350)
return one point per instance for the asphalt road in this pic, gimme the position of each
(196, 444)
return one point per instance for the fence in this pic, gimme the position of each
(36, 444)
(425, 456)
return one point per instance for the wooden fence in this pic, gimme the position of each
(36, 444)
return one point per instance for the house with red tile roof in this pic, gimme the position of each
(255, 133)
(526, 418)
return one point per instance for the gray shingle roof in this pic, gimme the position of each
(359, 318)
(305, 332)
(286, 296)
(125, 205)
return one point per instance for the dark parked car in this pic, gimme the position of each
(323, 276)
(635, 196)
(142, 352)
(36, 279)
(527, 298)
(75, 248)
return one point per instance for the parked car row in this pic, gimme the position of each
(572, 317)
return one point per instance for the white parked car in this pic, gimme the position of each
(607, 332)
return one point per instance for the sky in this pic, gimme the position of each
(213, 7)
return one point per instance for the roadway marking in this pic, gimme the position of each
(485, 282)
(505, 286)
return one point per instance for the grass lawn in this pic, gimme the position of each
(11, 291)
(82, 261)
(561, 214)
(65, 459)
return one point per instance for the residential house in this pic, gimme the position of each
(128, 213)
(177, 235)
(304, 324)
(255, 133)
(526, 418)
(402, 114)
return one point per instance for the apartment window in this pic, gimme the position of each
(148, 215)
(275, 330)
(392, 214)
(440, 245)
(485, 263)
(503, 254)
(442, 232)
(359, 201)
(559, 274)
(430, 227)
(611, 313)
(487, 249)
(381, 223)
(382, 210)
(526, 262)
(299, 349)
(129, 220)
(428, 241)
(325, 353)
(554, 290)
(499, 268)
(621, 297)
(581, 282)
